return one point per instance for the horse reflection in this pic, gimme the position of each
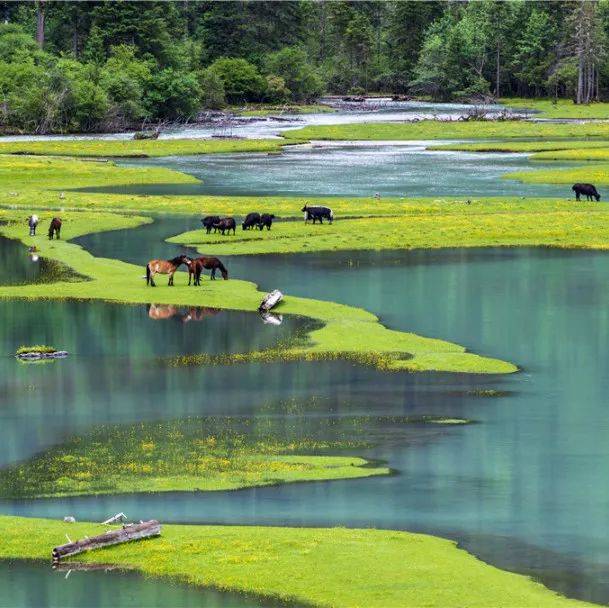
(159, 312)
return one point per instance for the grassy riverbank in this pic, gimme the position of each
(192, 454)
(437, 224)
(109, 148)
(317, 566)
(540, 145)
(558, 108)
(346, 330)
(437, 129)
(593, 173)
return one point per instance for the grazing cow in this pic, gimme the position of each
(266, 219)
(55, 228)
(209, 221)
(588, 189)
(251, 220)
(317, 213)
(32, 222)
(226, 224)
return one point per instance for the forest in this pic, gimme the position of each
(111, 65)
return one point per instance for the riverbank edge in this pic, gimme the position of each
(345, 330)
(315, 566)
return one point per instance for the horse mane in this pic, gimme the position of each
(177, 260)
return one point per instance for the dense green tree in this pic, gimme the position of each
(212, 90)
(299, 77)
(242, 81)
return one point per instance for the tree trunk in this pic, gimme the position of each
(40, 14)
(498, 72)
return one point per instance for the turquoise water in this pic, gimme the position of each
(31, 584)
(17, 267)
(349, 170)
(525, 488)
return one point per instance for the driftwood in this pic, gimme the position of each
(87, 567)
(113, 537)
(270, 301)
(36, 355)
(271, 319)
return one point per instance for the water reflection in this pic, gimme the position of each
(19, 266)
(31, 584)
(160, 312)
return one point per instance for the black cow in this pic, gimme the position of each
(266, 219)
(588, 189)
(251, 220)
(209, 222)
(317, 213)
(226, 224)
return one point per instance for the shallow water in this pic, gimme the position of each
(525, 488)
(32, 584)
(264, 127)
(17, 267)
(395, 170)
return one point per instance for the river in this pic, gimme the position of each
(523, 488)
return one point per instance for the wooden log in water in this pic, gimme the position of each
(270, 300)
(125, 534)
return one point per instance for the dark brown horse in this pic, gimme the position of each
(165, 267)
(196, 266)
(55, 227)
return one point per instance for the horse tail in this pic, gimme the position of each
(147, 274)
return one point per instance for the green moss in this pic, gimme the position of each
(138, 148)
(345, 329)
(434, 129)
(203, 454)
(36, 348)
(317, 566)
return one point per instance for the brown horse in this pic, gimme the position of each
(196, 266)
(199, 314)
(165, 267)
(158, 312)
(55, 227)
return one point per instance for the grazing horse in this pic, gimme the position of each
(251, 220)
(226, 224)
(164, 267)
(317, 213)
(266, 219)
(55, 228)
(196, 266)
(588, 189)
(209, 222)
(32, 222)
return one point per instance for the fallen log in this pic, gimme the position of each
(270, 300)
(125, 534)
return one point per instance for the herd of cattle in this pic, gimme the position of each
(259, 221)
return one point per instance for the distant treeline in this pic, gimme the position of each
(112, 64)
